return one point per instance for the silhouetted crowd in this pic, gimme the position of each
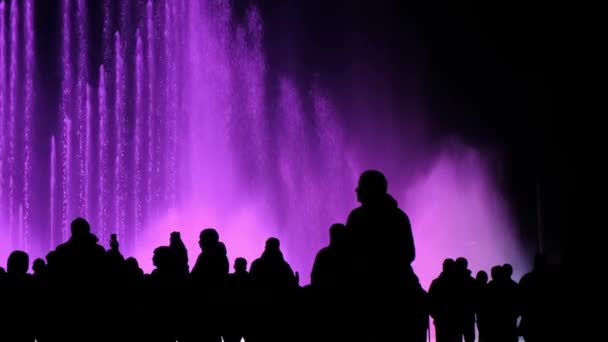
(362, 289)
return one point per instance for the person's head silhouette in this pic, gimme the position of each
(507, 271)
(162, 257)
(482, 277)
(39, 266)
(240, 265)
(208, 238)
(496, 272)
(18, 263)
(132, 263)
(80, 228)
(372, 186)
(461, 264)
(449, 266)
(273, 245)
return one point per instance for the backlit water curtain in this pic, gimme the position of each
(183, 125)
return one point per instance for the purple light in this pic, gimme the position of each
(457, 193)
(3, 96)
(65, 110)
(81, 108)
(139, 141)
(104, 142)
(150, 117)
(27, 127)
(12, 124)
(120, 123)
(170, 37)
(52, 185)
(88, 148)
(192, 128)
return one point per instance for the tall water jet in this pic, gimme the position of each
(104, 142)
(103, 192)
(65, 112)
(52, 187)
(192, 127)
(66, 166)
(138, 145)
(120, 123)
(151, 127)
(81, 103)
(171, 110)
(3, 96)
(293, 134)
(20, 229)
(88, 150)
(12, 117)
(251, 74)
(27, 127)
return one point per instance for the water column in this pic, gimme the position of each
(253, 70)
(88, 150)
(103, 164)
(151, 108)
(102, 194)
(52, 185)
(27, 126)
(120, 123)
(66, 121)
(81, 103)
(170, 37)
(2, 108)
(12, 113)
(138, 146)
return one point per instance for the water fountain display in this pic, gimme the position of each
(185, 125)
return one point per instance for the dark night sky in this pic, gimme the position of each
(489, 73)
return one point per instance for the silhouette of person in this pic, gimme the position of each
(481, 303)
(465, 288)
(115, 257)
(539, 291)
(239, 306)
(443, 296)
(132, 294)
(180, 253)
(240, 269)
(382, 230)
(80, 259)
(502, 306)
(381, 250)
(328, 281)
(329, 268)
(209, 276)
(166, 287)
(17, 288)
(274, 283)
(211, 267)
(39, 268)
(78, 276)
(271, 271)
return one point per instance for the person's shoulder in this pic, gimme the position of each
(256, 263)
(401, 214)
(323, 251)
(355, 213)
(526, 278)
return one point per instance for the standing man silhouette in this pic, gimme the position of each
(381, 250)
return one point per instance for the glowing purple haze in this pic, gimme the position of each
(180, 129)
